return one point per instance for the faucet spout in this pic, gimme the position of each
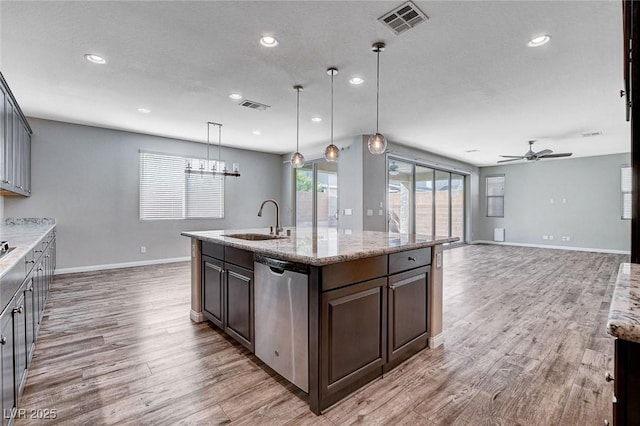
(275, 203)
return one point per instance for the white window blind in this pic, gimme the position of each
(167, 192)
(495, 196)
(625, 187)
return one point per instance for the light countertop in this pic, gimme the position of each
(322, 246)
(624, 312)
(23, 234)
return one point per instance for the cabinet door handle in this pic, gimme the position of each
(47, 256)
(392, 287)
(3, 340)
(608, 377)
(38, 251)
(413, 259)
(30, 289)
(18, 310)
(29, 261)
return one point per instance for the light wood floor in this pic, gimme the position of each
(525, 344)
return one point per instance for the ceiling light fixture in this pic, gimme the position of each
(332, 152)
(235, 96)
(219, 167)
(539, 40)
(268, 41)
(377, 143)
(257, 132)
(96, 59)
(356, 81)
(316, 119)
(297, 159)
(144, 110)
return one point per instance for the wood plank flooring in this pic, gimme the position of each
(525, 343)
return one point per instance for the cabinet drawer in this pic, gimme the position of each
(409, 259)
(355, 271)
(238, 257)
(213, 250)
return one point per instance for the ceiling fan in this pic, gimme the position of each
(534, 156)
(394, 169)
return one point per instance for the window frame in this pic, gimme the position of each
(487, 196)
(623, 192)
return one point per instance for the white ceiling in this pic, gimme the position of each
(463, 80)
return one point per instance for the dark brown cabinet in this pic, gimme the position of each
(353, 336)
(212, 290)
(227, 291)
(408, 314)
(626, 384)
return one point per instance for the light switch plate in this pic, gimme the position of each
(369, 212)
(439, 260)
(380, 212)
(348, 212)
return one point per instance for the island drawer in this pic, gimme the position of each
(355, 271)
(238, 257)
(213, 250)
(409, 259)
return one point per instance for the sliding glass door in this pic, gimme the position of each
(317, 195)
(425, 200)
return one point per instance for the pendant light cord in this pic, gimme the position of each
(378, 90)
(332, 72)
(219, 141)
(208, 142)
(298, 122)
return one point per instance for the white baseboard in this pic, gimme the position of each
(436, 341)
(91, 268)
(597, 250)
(196, 316)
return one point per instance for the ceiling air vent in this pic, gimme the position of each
(591, 134)
(403, 18)
(254, 105)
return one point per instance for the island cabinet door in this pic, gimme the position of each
(353, 338)
(408, 332)
(212, 290)
(239, 305)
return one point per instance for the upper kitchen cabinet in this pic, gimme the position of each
(15, 145)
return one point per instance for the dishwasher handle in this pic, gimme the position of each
(279, 266)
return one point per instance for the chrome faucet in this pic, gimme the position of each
(275, 203)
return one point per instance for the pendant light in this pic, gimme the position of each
(377, 143)
(297, 159)
(219, 167)
(332, 152)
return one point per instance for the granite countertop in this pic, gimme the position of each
(624, 312)
(322, 246)
(23, 234)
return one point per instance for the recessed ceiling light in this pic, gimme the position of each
(96, 59)
(471, 150)
(356, 80)
(268, 41)
(539, 40)
(316, 119)
(235, 96)
(257, 132)
(144, 110)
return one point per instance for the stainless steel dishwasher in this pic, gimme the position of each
(281, 318)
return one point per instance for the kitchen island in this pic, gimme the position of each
(373, 299)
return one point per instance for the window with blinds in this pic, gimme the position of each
(495, 196)
(625, 188)
(167, 192)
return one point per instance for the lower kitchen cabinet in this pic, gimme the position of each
(212, 290)
(353, 336)
(626, 409)
(7, 371)
(239, 305)
(408, 315)
(30, 320)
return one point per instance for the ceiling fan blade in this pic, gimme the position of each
(543, 152)
(520, 157)
(564, 154)
(511, 159)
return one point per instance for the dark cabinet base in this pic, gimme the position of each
(626, 405)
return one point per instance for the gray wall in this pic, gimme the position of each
(590, 216)
(88, 179)
(350, 187)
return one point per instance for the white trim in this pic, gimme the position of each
(196, 316)
(597, 250)
(436, 341)
(91, 268)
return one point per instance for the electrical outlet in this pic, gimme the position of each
(551, 201)
(551, 237)
(545, 237)
(380, 212)
(143, 249)
(348, 212)
(369, 212)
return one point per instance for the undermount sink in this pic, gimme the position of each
(255, 237)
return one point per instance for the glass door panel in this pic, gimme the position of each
(327, 195)
(304, 196)
(457, 206)
(424, 200)
(442, 203)
(400, 196)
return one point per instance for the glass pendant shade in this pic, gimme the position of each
(297, 160)
(332, 153)
(377, 144)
